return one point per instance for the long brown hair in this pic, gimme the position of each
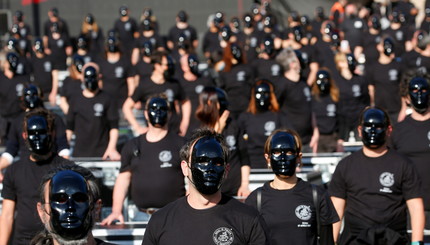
(334, 90)
(274, 105)
(207, 111)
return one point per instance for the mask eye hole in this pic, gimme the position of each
(80, 197)
(60, 198)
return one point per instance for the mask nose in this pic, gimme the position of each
(71, 206)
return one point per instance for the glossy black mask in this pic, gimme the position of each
(38, 45)
(78, 62)
(91, 79)
(283, 154)
(112, 45)
(374, 128)
(226, 33)
(207, 165)
(147, 49)
(71, 215)
(32, 97)
(13, 61)
(236, 52)
(158, 112)
(388, 46)
(298, 33)
(170, 71)
(352, 62)
(262, 97)
(323, 82)
(38, 138)
(222, 100)
(419, 94)
(193, 64)
(269, 46)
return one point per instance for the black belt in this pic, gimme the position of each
(149, 211)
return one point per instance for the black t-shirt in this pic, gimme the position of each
(309, 55)
(290, 215)
(411, 138)
(256, 128)
(400, 36)
(156, 175)
(211, 42)
(411, 60)
(325, 111)
(386, 79)
(297, 107)
(58, 49)
(354, 96)
(114, 76)
(16, 144)
(376, 189)
(174, 34)
(250, 43)
(266, 69)
(229, 222)
(11, 91)
(91, 119)
(20, 184)
(42, 73)
(325, 55)
(143, 69)
(369, 46)
(237, 83)
(353, 31)
(156, 41)
(71, 88)
(64, 29)
(126, 32)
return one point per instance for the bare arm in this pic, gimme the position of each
(119, 193)
(64, 105)
(416, 211)
(372, 94)
(69, 134)
(186, 114)
(243, 191)
(131, 85)
(127, 109)
(6, 221)
(313, 73)
(111, 151)
(54, 90)
(315, 136)
(135, 56)
(339, 205)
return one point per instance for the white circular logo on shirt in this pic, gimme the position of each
(119, 72)
(358, 24)
(331, 110)
(275, 70)
(269, 126)
(230, 140)
(165, 156)
(127, 26)
(19, 89)
(60, 43)
(428, 135)
(356, 90)
(304, 212)
(170, 95)
(386, 179)
(307, 93)
(199, 89)
(98, 109)
(47, 66)
(393, 74)
(241, 76)
(399, 36)
(223, 236)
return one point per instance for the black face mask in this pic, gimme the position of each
(222, 100)
(193, 64)
(147, 49)
(158, 112)
(248, 21)
(71, 215)
(38, 138)
(170, 71)
(376, 24)
(236, 52)
(91, 79)
(78, 62)
(123, 11)
(269, 46)
(419, 94)
(352, 62)
(283, 154)
(388, 46)
(207, 165)
(89, 19)
(323, 82)
(225, 33)
(262, 97)
(374, 128)
(82, 43)
(31, 97)
(112, 45)
(13, 60)
(298, 33)
(38, 45)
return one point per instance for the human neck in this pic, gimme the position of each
(156, 134)
(157, 78)
(346, 73)
(88, 94)
(283, 183)
(113, 57)
(90, 240)
(199, 201)
(375, 152)
(182, 25)
(420, 117)
(292, 76)
(383, 59)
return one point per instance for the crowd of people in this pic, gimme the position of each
(263, 93)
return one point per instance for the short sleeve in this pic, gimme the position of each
(337, 185)
(9, 190)
(328, 214)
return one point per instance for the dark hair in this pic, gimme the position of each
(296, 136)
(40, 111)
(334, 90)
(185, 152)
(207, 111)
(408, 76)
(387, 117)
(157, 57)
(274, 105)
(161, 96)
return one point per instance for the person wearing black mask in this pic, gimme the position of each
(251, 38)
(94, 34)
(150, 163)
(72, 84)
(93, 118)
(371, 38)
(287, 203)
(143, 67)
(204, 164)
(58, 46)
(69, 203)
(384, 79)
(22, 178)
(147, 33)
(211, 39)
(265, 66)
(260, 120)
(127, 30)
(410, 136)
(325, 96)
(373, 187)
(31, 99)
(182, 27)
(160, 81)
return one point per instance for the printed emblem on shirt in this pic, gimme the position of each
(98, 109)
(187, 33)
(269, 126)
(399, 36)
(428, 136)
(275, 70)
(223, 236)
(47, 66)
(387, 180)
(19, 89)
(60, 43)
(253, 42)
(127, 26)
(304, 213)
(305, 57)
(356, 90)
(22, 44)
(165, 157)
(358, 24)
(20, 69)
(418, 61)
(307, 93)
(231, 142)
(170, 95)
(199, 89)
(331, 110)
(94, 34)
(119, 72)
(393, 74)
(240, 76)
(87, 59)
